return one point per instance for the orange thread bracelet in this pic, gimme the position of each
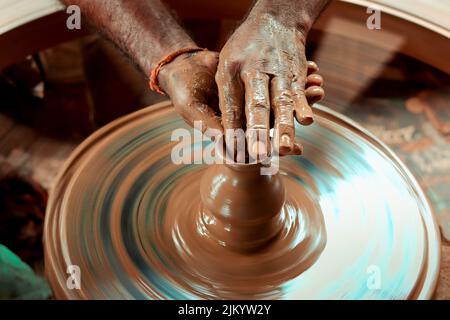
(155, 72)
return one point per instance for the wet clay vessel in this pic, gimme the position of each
(346, 220)
(241, 205)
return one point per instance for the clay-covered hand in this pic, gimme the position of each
(263, 73)
(189, 82)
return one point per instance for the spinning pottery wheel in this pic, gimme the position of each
(354, 223)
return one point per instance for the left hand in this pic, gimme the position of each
(189, 82)
(263, 67)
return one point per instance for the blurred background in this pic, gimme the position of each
(58, 85)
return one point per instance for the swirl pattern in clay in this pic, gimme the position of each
(356, 225)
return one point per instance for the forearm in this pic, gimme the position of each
(145, 30)
(299, 14)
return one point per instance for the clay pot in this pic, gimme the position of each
(241, 207)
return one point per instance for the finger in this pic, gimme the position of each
(312, 67)
(314, 94)
(314, 80)
(303, 112)
(231, 100)
(283, 107)
(297, 150)
(257, 110)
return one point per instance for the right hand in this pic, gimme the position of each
(263, 77)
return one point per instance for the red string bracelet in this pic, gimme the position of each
(155, 72)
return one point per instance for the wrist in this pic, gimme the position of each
(293, 14)
(153, 58)
(160, 78)
(166, 72)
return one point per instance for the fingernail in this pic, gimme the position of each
(298, 149)
(285, 144)
(259, 148)
(313, 65)
(306, 121)
(285, 140)
(304, 115)
(314, 80)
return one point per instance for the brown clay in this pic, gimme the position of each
(135, 223)
(242, 205)
(267, 238)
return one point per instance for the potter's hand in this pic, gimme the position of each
(189, 82)
(148, 33)
(263, 69)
